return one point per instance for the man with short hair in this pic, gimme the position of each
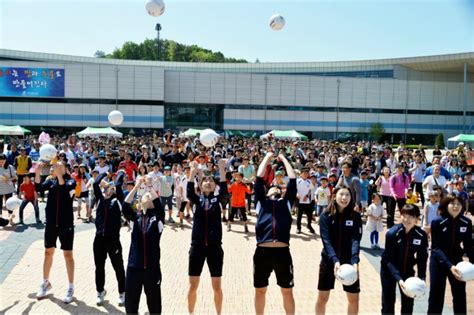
(303, 185)
(350, 180)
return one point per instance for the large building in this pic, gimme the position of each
(413, 98)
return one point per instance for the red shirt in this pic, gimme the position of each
(129, 168)
(28, 191)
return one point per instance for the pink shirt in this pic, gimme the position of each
(398, 185)
(385, 187)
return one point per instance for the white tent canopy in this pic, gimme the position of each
(99, 132)
(13, 130)
(285, 134)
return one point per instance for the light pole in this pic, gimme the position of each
(158, 29)
(265, 107)
(337, 107)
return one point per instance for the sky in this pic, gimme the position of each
(329, 30)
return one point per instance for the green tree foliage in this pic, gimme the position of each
(169, 50)
(440, 140)
(377, 131)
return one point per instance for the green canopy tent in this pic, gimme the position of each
(462, 137)
(13, 130)
(240, 133)
(285, 134)
(99, 132)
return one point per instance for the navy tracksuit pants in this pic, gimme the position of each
(438, 276)
(150, 280)
(389, 286)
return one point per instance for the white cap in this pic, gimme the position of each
(461, 143)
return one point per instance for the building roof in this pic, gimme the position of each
(438, 63)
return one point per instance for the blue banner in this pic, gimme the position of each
(31, 82)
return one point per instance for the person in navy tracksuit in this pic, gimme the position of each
(206, 237)
(448, 231)
(406, 245)
(107, 236)
(143, 269)
(341, 231)
(273, 237)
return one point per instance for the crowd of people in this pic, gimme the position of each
(424, 205)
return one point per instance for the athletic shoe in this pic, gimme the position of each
(311, 230)
(187, 216)
(38, 221)
(69, 296)
(21, 222)
(121, 299)
(89, 219)
(170, 220)
(43, 290)
(100, 298)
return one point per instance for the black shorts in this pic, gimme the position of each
(65, 234)
(199, 253)
(225, 201)
(268, 259)
(183, 206)
(326, 278)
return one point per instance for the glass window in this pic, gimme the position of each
(194, 115)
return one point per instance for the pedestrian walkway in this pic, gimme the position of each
(21, 260)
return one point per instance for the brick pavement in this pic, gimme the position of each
(22, 256)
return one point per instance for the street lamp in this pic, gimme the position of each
(158, 29)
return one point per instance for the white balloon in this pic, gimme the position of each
(155, 7)
(347, 274)
(115, 118)
(47, 152)
(415, 288)
(277, 22)
(13, 203)
(466, 269)
(208, 137)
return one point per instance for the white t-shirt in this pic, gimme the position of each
(184, 185)
(322, 196)
(430, 181)
(304, 189)
(155, 180)
(102, 169)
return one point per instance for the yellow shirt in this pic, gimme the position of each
(412, 200)
(22, 165)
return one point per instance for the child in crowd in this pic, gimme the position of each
(430, 211)
(412, 198)
(364, 190)
(28, 194)
(374, 220)
(322, 196)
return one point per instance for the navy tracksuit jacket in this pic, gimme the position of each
(447, 235)
(402, 252)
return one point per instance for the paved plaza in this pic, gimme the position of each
(21, 259)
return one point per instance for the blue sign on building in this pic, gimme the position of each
(31, 82)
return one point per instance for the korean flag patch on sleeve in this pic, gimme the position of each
(416, 241)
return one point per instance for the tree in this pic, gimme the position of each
(169, 50)
(377, 131)
(99, 54)
(440, 140)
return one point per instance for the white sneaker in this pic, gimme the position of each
(100, 298)
(43, 290)
(69, 296)
(121, 299)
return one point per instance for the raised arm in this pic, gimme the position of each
(190, 192)
(119, 186)
(262, 167)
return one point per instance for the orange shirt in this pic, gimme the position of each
(238, 191)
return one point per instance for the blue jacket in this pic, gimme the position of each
(341, 234)
(207, 226)
(447, 234)
(405, 250)
(109, 211)
(147, 228)
(59, 210)
(274, 216)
